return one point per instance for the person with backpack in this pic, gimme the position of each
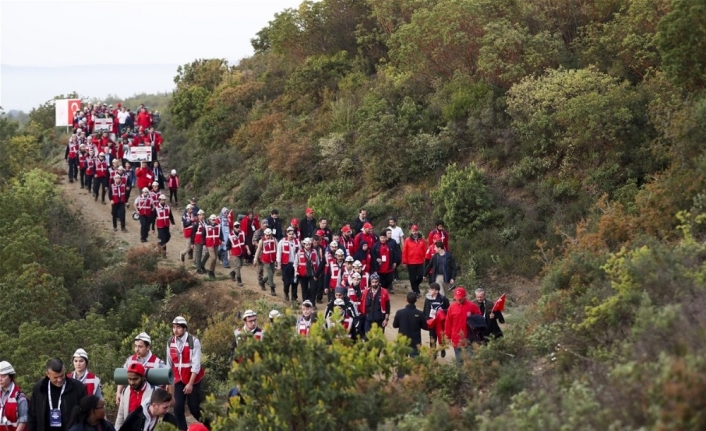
(137, 393)
(456, 328)
(184, 356)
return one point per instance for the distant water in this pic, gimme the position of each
(24, 88)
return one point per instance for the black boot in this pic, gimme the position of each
(240, 282)
(232, 275)
(286, 297)
(211, 275)
(272, 291)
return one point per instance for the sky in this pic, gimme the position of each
(56, 47)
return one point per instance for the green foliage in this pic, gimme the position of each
(682, 42)
(463, 199)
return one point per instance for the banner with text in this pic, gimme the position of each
(139, 154)
(102, 125)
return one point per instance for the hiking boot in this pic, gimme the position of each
(181, 255)
(123, 229)
(232, 275)
(200, 271)
(240, 284)
(443, 353)
(272, 291)
(286, 297)
(262, 286)
(191, 255)
(211, 275)
(115, 229)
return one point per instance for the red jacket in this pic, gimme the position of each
(144, 178)
(456, 326)
(414, 251)
(143, 119)
(155, 137)
(173, 182)
(444, 237)
(370, 239)
(384, 301)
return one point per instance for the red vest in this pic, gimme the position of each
(118, 192)
(82, 160)
(162, 216)
(188, 229)
(347, 244)
(73, 150)
(181, 363)
(89, 379)
(90, 165)
(151, 362)
(302, 260)
(286, 249)
(237, 243)
(213, 235)
(173, 182)
(385, 266)
(269, 251)
(333, 270)
(10, 410)
(200, 233)
(304, 326)
(101, 168)
(144, 206)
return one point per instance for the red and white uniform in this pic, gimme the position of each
(90, 380)
(155, 140)
(304, 326)
(334, 270)
(200, 234)
(303, 259)
(163, 213)
(101, 168)
(183, 361)
(269, 251)
(90, 165)
(237, 244)
(149, 361)
(213, 235)
(117, 193)
(73, 149)
(10, 409)
(287, 251)
(82, 157)
(144, 205)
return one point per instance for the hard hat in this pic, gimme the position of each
(357, 263)
(142, 336)
(306, 241)
(356, 275)
(268, 231)
(189, 206)
(333, 244)
(179, 321)
(249, 313)
(340, 252)
(275, 314)
(101, 154)
(173, 171)
(145, 190)
(212, 217)
(80, 353)
(155, 183)
(162, 197)
(6, 368)
(200, 212)
(349, 258)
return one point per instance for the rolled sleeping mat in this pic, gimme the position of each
(155, 376)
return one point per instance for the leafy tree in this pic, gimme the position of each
(463, 199)
(681, 39)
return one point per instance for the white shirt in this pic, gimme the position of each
(122, 116)
(397, 234)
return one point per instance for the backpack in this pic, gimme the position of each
(189, 341)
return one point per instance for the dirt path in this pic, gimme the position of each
(219, 291)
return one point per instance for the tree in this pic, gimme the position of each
(681, 39)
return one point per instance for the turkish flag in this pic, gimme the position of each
(499, 304)
(74, 105)
(437, 324)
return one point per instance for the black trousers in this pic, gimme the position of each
(82, 176)
(173, 194)
(386, 279)
(73, 169)
(319, 290)
(181, 400)
(307, 284)
(101, 183)
(144, 227)
(416, 276)
(163, 235)
(118, 211)
(288, 279)
(88, 182)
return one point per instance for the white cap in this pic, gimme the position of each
(200, 212)
(339, 302)
(189, 206)
(101, 154)
(145, 189)
(334, 244)
(80, 353)
(249, 313)
(6, 368)
(306, 241)
(275, 314)
(117, 176)
(212, 217)
(179, 321)
(349, 258)
(357, 263)
(162, 197)
(142, 336)
(268, 231)
(339, 252)
(155, 183)
(173, 171)
(355, 275)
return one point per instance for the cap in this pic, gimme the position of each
(189, 206)
(307, 304)
(290, 229)
(101, 154)
(155, 183)
(212, 217)
(249, 313)
(334, 244)
(414, 227)
(460, 292)
(200, 212)
(264, 222)
(374, 276)
(309, 211)
(340, 252)
(268, 231)
(367, 226)
(275, 314)
(80, 353)
(346, 228)
(357, 263)
(173, 172)
(145, 189)
(117, 176)
(355, 275)
(197, 426)
(142, 336)
(137, 368)
(179, 321)
(349, 258)
(236, 224)
(340, 289)
(319, 232)
(162, 198)
(306, 241)
(294, 222)
(6, 368)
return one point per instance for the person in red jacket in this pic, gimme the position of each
(366, 236)
(118, 198)
(443, 234)
(144, 176)
(238, 251)
(456, 327)
(173, 185)
(154, 139)
(163, 218)
(143, 118)
(415, 248)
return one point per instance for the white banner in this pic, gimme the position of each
(102, 125)
(139, 154)
(61, 107)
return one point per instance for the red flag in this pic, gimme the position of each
(437, 324)
(499, 304)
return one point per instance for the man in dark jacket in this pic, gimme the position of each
(491, 317)
(442, 267)
(275, 224)
(153, 413)
(307, 225)
(53, 399)
(410, 322)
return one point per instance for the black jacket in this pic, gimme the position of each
(357, 225)
(440, 302)
(275, 224)
(395, 254)
(492, 329)
(308, 227)
(435, 263)
(105, 426)
(410, 321)
(38, 416)
(135, 421)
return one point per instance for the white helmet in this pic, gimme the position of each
(275, 314)
(173, 171)
(334, 244)
(249, 313)
(142, 336)
(179, 321)
(340, 252)
(145, 190)
(268, 231)
(212, 217)
(6, 368)
(357, 264)
(155, 183)
(306, 241)
(80, 353)
(162, 197)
